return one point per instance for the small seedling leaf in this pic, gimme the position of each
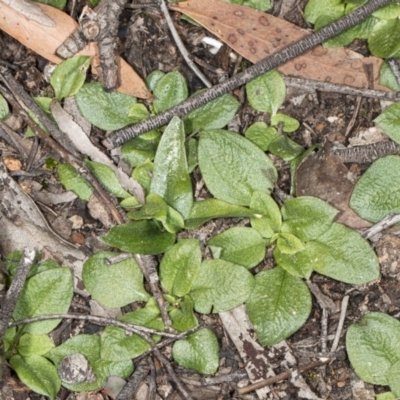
(182, 316)
(261, 134)
(384, 40)
(142, 237)
(389, 121)
(289, 244)
(171, 178)
(30, 345)
(221, 286)
(285, 148)
(199, 351)
(108, 111)
(387, 78)
(267, 92)
(113, 285)
(180, 266)
(233, 167)
(240, 245)
(71, 180)
(278, 306)
(69, 76)
(142, 173)
(373, 346)
(170, 90)
(38, 373)
(4, 110)
(377, 192)
(289, 124)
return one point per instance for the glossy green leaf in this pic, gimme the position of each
(239, 245)
(315, 8)
(267, 92)
(153, 78)
(69, 76)
(384, 40)
(221, 286)
(171, 179)
(233, 167)
(261, 134)
(203, 211)
(389, 121)
(285, 148)
(278, 306)
(106, 110)
(48, 292)
(113, 285)
(71, 180)
(289, 244)
(373, 346)
(307, 217)
(180, 266)
(393, 378)
(268, 219)
(182, 316)
(38, 373)
(107, 178)
(215, 114)
(142, 237)
(387, 77)
(199, 351)
(30, 345)
(142, 173)
(137, 151)
(289, 124)
(170, 90)
(4, 110)
(377, 192)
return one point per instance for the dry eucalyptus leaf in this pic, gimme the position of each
(45, 40)
(256, 35)
(324, 175)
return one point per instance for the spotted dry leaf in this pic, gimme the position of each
(256, 35)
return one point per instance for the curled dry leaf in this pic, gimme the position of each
(256, 35)
(45, 40)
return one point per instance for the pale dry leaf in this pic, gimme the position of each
(256, 35)
(45, 40)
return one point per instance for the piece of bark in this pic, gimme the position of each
(45, 40)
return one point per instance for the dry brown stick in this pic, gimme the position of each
(281, 377)
(288, 53)
(129, 390)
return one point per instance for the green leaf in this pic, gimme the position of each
(113, 285)
(289, 124)
(171, 179)
(191, 154)
(153, 78)
(389, 121)
(261, 134)
(60, 4)
(108, 111)
(93, 3)
(220, 286)
(373, 346)
(71, 180)
(38, 374)
(138, 112)
(69, 76)
(180, 267)
(384, 40)
(316, 8)
(289, 244)
(386, 396)
(233, 167)
(203, 211)
(239, 245)
(388, 12)
(267, 92)
(4, 110)
(393, 378)
(268, 220)
(278, 306)
(215, 114)
(142, 237)
(107, 178)
(183, 318)
(170, 90)
(298, 263)
(199, 351)
(307, 217)
(48, 292)
(142, 173)
(387, 78)
(130, 203)
(30, 345)
(285, 148)
(377, 193)
(137, 151)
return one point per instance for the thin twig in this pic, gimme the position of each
(353, 119)
(288, 53)
(181, 46)
(339, 329)
(385, 223)
(129, 390)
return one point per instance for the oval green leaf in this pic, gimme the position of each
(221, 286)
(261, 134)
(113, 285)
(278, 306)
(71, 180)
(384, 41)
(233, 167)
(30, 345)
(389, 121)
